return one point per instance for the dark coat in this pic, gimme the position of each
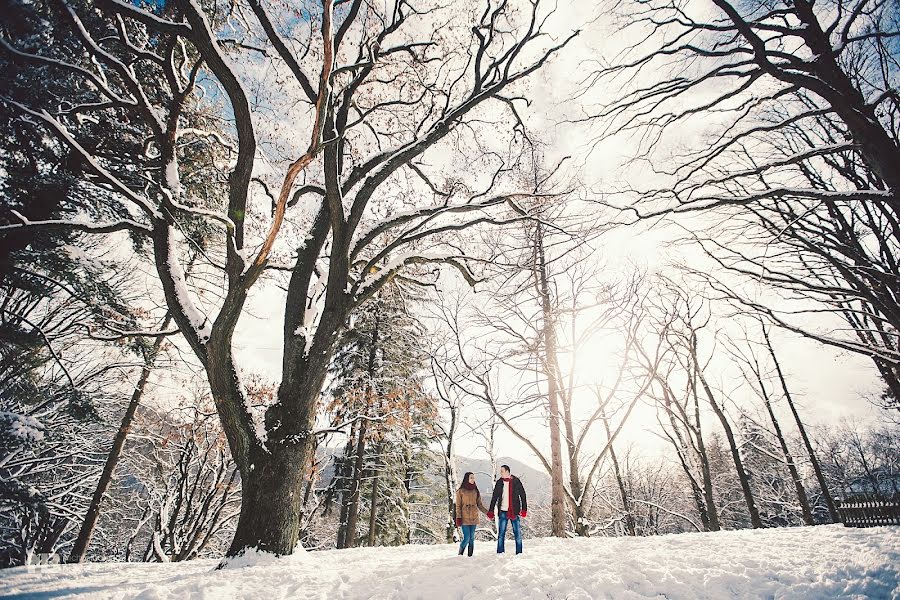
(517, 495)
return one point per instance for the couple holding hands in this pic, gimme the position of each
(508, 498)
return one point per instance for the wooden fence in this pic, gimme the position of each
(870, 510)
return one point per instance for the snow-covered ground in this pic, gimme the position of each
(799, 563)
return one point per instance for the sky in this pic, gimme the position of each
(829, 384)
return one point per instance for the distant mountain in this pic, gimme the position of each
(537, 483)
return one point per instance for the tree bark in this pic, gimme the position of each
(817, 467)
(373, 510)
(703, 496)
(271, 501)
(83, 541)
(709, 498)
(789, 460)
(755, 520)
(712, 513)
(273, 472)
(623, 492)
(557, 496)
(875, 143)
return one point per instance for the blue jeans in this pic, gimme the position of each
(468, 532)
(501, 533)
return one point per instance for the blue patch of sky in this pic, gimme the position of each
(301, 16)
(156, 6)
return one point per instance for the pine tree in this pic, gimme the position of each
(378, 371)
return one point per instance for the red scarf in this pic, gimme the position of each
(468, 486)
(510, 511)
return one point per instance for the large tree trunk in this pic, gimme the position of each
(817, 468)
(83, 541)
(271, 502)
(557, 495)
(272, 473)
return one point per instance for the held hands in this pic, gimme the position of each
(459, 522)
(522, 514)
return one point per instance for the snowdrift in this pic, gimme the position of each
(799, 563)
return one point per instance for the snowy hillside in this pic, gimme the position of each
(796, 563)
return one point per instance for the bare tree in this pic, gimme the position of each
(379, 103)
(801, 171)
(451, 404)
(82, 542)
(620, 481)
(473, 368)
(813, 459)
(692, 315)
(679, 420)
(655, 502)
(189, 483)
(756, 377)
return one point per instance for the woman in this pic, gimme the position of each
(468, 503)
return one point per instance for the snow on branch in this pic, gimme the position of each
(96, 81)
(120, 334)
(23, 428)
(147, 18)
(60, 130)
(199, 322)
(76, 224)
(371, 282)
(174, 184)
(313, 312)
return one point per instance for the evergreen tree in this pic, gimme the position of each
(387, 462)
(68, 299)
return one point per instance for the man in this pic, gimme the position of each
(509, 497)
